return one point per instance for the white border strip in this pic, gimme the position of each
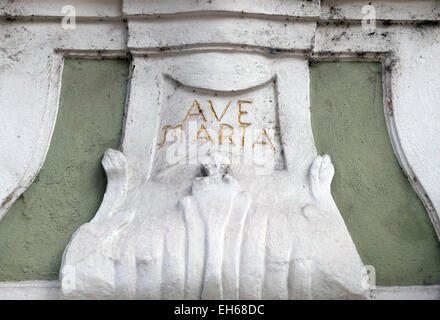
(406, 293)
(30, 290)
(51, 290)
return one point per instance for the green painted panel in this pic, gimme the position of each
(70, 186)
(385, 217)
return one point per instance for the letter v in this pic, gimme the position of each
(215, 113)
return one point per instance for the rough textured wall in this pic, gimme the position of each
(69, 188)
(385, 217)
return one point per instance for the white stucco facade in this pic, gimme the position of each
(162, 231)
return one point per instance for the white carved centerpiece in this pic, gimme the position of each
(218, 192)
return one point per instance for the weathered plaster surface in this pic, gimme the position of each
(49, 8)
(30, 70)
(286, 8)
(385, 216)
(412, 104)
(402, 10)
(157, 33)
(69, 187)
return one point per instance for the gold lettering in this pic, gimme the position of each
(229, 137)
(242, 134)
(215, 113)
(206, 137)
(199, 113)
(165, 129)
(265, 142)
(241, 112)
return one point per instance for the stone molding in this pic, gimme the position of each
(51, 290)
(331, 10)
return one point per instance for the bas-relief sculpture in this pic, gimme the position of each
(211, 219)
(215, 244)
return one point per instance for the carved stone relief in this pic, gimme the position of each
(199, 213)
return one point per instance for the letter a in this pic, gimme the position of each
(199, 113)
(269, 141)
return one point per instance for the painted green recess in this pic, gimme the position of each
(70, 186)
(387, 220)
